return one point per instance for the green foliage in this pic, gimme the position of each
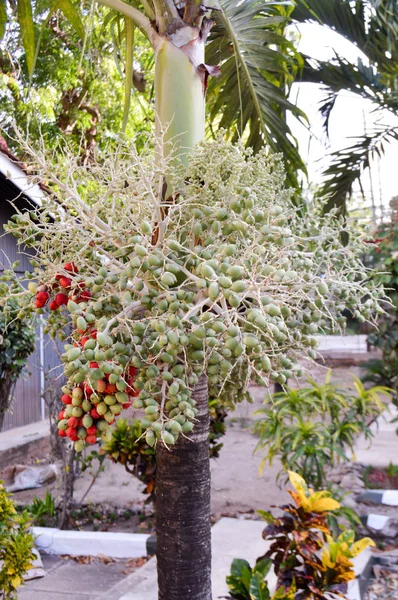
(258, 66)
(306, 559)
(372, 27)
(311, 429)
(385, 255)
(249, 583)
(129, 448)
(77, 88)
(40, 510)
(17, 338)
(16, 545)
(17, 334)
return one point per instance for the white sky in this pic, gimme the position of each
(348, 119)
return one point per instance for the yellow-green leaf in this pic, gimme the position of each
(128, 71)
(361, 545)
(324, 504)
(3, 18)
(70, 12)
(26, 25)
(16, 581)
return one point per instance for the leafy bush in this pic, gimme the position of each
(128, 447)
(17, 340)
(308, 562)
(16, 545)
(312, 429)
(41, 510)
(385, 254)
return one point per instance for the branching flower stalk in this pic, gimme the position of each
(238, 286)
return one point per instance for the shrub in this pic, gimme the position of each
(311, 429)
(385, 255)
(308, 562)
(16, 545)
(17, 340)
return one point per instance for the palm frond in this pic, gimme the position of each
(258, 66)
(348, 164)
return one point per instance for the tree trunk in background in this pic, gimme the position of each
(183, 536)
(6, 389)
(68, 482)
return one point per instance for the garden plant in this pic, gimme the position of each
(308, 562)
(16, 543)
(17, 342)
(311, 429)
(186, 273)
(385, 254)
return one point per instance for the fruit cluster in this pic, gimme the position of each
(65, 287)
(89, 412)
(229, 281)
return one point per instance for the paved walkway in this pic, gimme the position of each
(384, 447)
(231, 538)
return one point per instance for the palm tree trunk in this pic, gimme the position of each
(183, 544)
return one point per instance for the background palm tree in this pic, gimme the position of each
(372, 26)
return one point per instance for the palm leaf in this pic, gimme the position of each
(25, 19)
(3, 18)
(72, 15)
(348, 164)
(372, 25)
(258, 65)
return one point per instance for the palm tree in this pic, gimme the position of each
(371, 25)
(249, 99)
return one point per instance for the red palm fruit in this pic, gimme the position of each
(91, 430)
(66, 399)
(93, 365)
(73, 422)
(61, 433)
(85, 295)
(66, 282)
(101, 386)
(87, 389)
(72, 434)
(126, 405)
(71, 267)
(61, 415)
(83, 340)
(42, 296)
(94, 334)
(91, 439)
(94, 414)
(58, 276)
(40, 304)
(53, 305)
(61, 299)
(110, 388)
(133, 371)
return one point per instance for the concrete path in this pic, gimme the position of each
(66, 579)
(384, 447)
(231, 538)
